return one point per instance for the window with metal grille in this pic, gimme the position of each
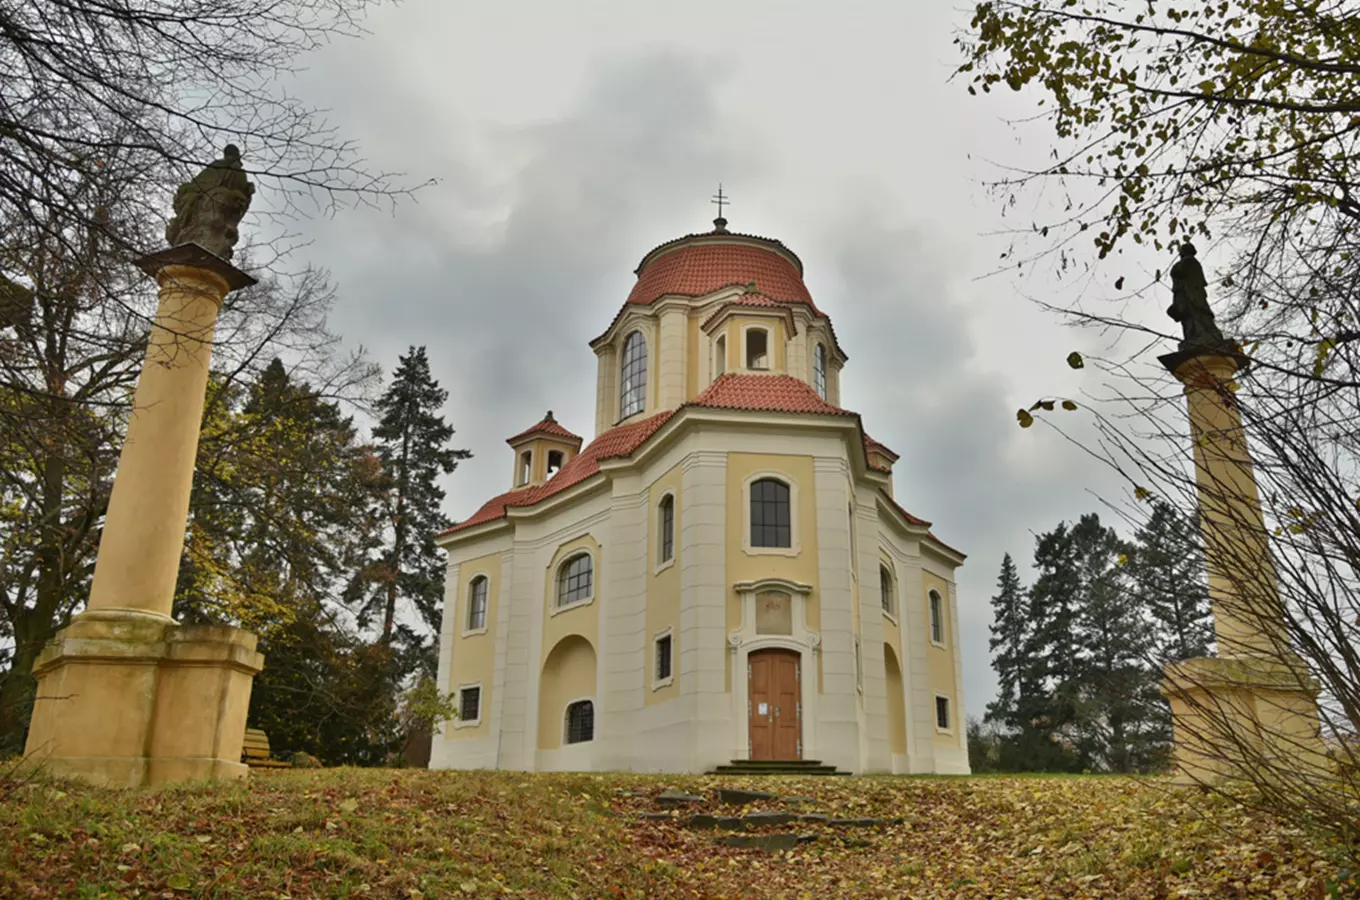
(942, 712)
(575, 579)
(477, 604)
(663, 657)
(771, 518)
(885, 588)
(580, 722)
(819, 370)
(633, 381)
(666, 529)
(936, 618)
(470, 704)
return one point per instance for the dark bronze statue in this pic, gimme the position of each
(208, 209)
(1190, 302)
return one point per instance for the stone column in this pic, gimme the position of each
(1254, 701)
(126, 696)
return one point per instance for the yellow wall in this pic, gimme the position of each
(474, 656)
(897, 700)
(695, 381)
(568, 675)
(569, 639)
(744, 566)
(778, 346)
(582, 620)
(941, 659)
(663, 589)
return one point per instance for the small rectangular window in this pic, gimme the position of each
(942, 713)
(663, 657)
(470, 704)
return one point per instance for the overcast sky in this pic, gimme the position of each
(570, 139)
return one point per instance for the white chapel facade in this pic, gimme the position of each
(722, 573)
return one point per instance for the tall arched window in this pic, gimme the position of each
(633, 372)
(575, 580)
(819, 370)
(936, 617)
(476, 616)
(665, 526)
(580, 722)
(771, 517)
(885, 589)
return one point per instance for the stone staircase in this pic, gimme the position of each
(777, 767)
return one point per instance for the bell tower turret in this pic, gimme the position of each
(541, 450)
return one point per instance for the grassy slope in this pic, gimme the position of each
(413, 834)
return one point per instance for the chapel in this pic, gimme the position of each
(722, 573)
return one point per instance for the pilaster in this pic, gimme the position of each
(703, 605)
(623, 642)
(839, 726)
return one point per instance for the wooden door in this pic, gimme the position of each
(775, 708)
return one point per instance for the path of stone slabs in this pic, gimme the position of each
(748, 818)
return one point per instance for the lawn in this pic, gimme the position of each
(413, 834)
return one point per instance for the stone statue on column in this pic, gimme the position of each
(208, 208)
(1254, 693)
(127, 696)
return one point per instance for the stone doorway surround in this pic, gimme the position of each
(747, 638)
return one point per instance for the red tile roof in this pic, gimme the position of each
(765, 393)
(702, 267)
(752, 301)
(620, 441)
(872, 445)
(549, 427)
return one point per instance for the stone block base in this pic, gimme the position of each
(1239, 715)
(130, 699)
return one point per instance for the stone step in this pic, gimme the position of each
(779, 770)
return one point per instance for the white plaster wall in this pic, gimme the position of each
(622, 654)
(877, 756)
(606, 390)
(703, 606)
(838, 717)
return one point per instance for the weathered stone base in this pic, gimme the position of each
(129, 699)
(1239, 715)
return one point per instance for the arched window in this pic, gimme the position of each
(476, 615)
(936, 617)
(720, 356)
(757, 348)
(885, 589)
(819, 370)
(554, 462)
(526, 460)
(633, 381)
(665, 529)
(575, 579)
(580, 722)
(771, 517)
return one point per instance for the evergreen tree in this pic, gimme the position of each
(1118, 719)
(413, 445)
(1051, 652)
(1010, 631)
(1166, 571)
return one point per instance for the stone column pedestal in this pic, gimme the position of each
(126, 696)
(128, 699)
(1253, 708)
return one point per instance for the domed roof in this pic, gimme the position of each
(698, 264)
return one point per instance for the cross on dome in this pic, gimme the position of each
(721, 199)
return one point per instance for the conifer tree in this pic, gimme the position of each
(1120, 717)
(1051, 650)
(412, 441)
(1010, 630)
(1166, 571)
